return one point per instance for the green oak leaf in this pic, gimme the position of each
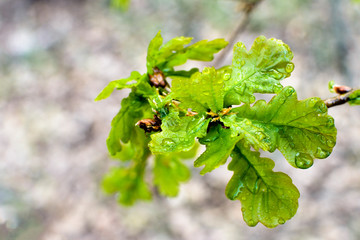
(266, 196)
(178, 133)
(301, 130)
(355, 97)
(133, 109)
(128, 182)
(258, 70)
(203, 91)
(174, 53)
(118, 84)
(169, 171)
(219, 144)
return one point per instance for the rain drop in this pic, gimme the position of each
(289, 92)
(303, 160)
(281, 221)
(321, 154)
(289, 67)
(330, 143)
(330, 122)
(206, 71)
(251, 222)
(226, 76)
(167, 142)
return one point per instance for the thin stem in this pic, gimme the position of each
(339, 99)
(247, 10)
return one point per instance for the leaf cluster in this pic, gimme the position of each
(217, 108)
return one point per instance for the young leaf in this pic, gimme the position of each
(201, 92)
(133, 109)
(174, 52)
(169, 171)
(178, 133)
(355, 97)
(258, 70)
(219, 144)
(266, 196)
(128, 182)
(118, 84)
(301, 130)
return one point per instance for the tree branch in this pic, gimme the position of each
(247, 8)
(339, 99)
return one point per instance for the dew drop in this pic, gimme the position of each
(281, 221)
(259, 135)
(243, 198)
(206, 71)
(321, 154)
(330, 122)
(247, 121)
(289, 67)
(289, 92)
(226, 76)
(250, 208)
(292, 145)
(303, 160)
(243, 209)
(167, 142)
(321, 107)
(251, 222)
(242, 62)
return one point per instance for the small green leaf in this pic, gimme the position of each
(301, 130)
(204, 50)
(118, 84)
(355, 97)
(169, 171)
(178, 133)
(219, 144)
(174, 52)
(258, 70)
(266, 196)
(128, 182)
(201, 92)
(133, 109)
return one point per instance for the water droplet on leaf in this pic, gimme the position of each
(330, 143)
(289, 67)
(289, 92)
(167, 142)
(303, 160)
(226, 76)
(321, 154)
(281, 221)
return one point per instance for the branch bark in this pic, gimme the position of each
(339, 99)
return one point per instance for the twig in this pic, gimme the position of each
(247, 10)
(339, 99)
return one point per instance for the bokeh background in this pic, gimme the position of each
(55, 57)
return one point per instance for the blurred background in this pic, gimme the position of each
(57, 55)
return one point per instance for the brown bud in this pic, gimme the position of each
(150, 125)
(158, 79)
(340, 89)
